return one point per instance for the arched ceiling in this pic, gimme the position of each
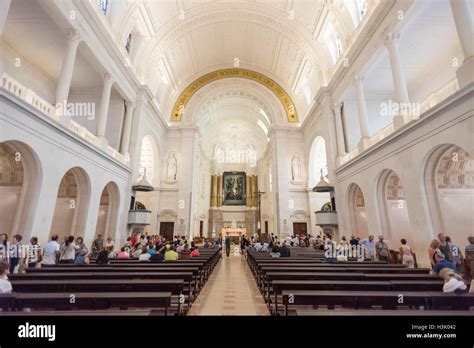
(177, 41)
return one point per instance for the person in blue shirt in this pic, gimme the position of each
(369, 246)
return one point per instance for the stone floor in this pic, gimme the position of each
(230, 290)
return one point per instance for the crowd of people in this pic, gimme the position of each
(445, 256)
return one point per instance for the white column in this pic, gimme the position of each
(463, 19)
(399, 82)
(339, 133)
(362, 110)
(127, 128)
(4, 8)
(104, 108)
(65, 76)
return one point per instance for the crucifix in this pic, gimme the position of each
(259, 199)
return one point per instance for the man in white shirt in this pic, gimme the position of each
(51, 252)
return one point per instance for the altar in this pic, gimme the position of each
(233, 232)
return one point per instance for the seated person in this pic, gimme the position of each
(284, 250)
(185, 253)
(195, 252)
(158, 256)
(102, 257)
(453, 282)
(262, 247)
(82, 258)
(123, 254)
(5, 285)
(171, 254)
(145, 255)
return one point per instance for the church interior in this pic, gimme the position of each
(302, 158)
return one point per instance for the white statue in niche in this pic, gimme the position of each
(295, 169)
(172, 167)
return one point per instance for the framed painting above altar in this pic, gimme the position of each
(233, 188)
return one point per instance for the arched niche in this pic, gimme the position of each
(20, 179)
(72, 204)
(449, 186)
(107, 219)
(393, 210)
(357, 211)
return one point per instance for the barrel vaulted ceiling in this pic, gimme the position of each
(176, 41)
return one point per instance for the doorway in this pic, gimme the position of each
(167, 230)
(300, 228)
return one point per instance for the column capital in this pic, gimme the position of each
(391, 38)
(337, 107)
(108, 79)
(73, 35)
(130, 105)
(359, 79)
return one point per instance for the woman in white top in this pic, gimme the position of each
(5, 285)
(67, 252)
(406, 255)
(144, 256)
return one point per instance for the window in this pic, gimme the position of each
(338, 43)
(362, 7)
(127, 45)
(103, 4)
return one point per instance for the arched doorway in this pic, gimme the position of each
(72, 204)
(107, 218)
(393, 211)
(357, 211)
(449, 183)
(19, 181)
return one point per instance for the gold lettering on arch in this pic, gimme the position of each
(204, 80)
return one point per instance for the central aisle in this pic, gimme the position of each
(230, 290)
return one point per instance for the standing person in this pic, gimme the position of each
(15, 254)
(227, 246)
(81, 248)
(469, 252)
(67, 252)
(51, 252)
(353, 241)
(406, 254)
(368, 245)
(458, 258)
(3, 247)
(110, 243)
(444, 247)
(98, 244)
(381, 250)
(438, 258)
(34, 253)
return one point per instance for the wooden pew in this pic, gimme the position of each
(87, 313)
(94, 300)
(385, 313)
(187, 277)
(278, 286)
(7, 302)
(386, 299)
(174, 286)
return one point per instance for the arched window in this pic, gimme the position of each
(338, 43)
(362, 7)
(103, 4)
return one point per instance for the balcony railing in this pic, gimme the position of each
(424, 105)
(29, 96)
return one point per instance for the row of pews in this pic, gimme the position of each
(301, 284)
(144, 288)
